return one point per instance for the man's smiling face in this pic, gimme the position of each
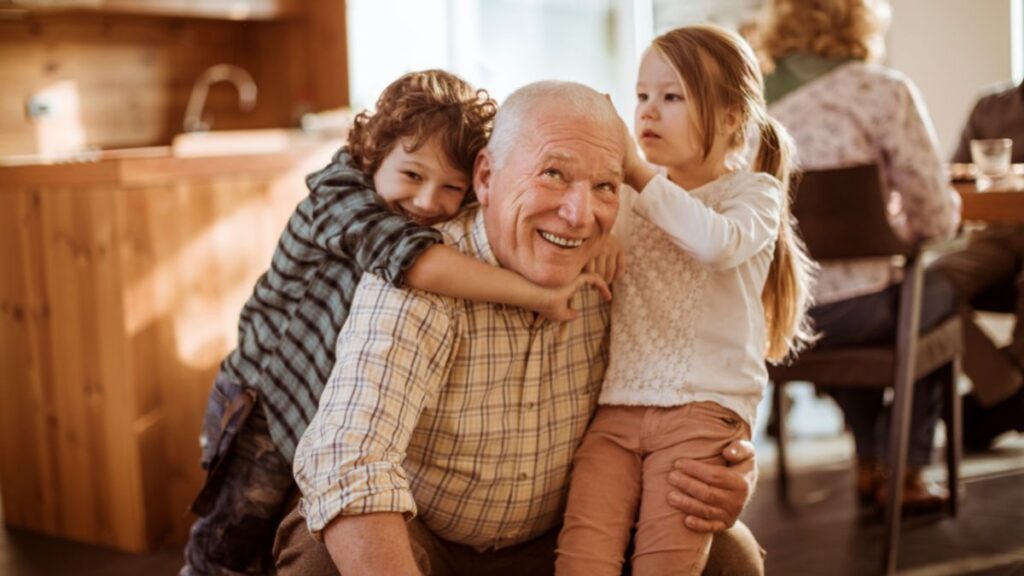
(554, 198)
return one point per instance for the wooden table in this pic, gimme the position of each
(991, 205)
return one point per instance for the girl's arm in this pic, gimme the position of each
(444, 270)
(722, 238)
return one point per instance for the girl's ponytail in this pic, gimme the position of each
(787, 291)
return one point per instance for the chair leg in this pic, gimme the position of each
(899, 441)
(902, 406)
(779, 407)
(953, 418)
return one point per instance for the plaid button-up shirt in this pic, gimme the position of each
(287, 329)
(464, 413)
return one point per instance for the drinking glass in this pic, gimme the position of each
(991, 157)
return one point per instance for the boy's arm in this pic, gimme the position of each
(444, 270)
(348, 220)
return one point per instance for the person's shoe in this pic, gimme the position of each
(983, 424)
(919, 495)
(868, 476)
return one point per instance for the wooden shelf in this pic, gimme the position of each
(211, 9)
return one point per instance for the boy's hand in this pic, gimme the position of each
(609, 262)
(556, 304)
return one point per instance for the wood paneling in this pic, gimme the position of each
(126, 78)
(117, 303)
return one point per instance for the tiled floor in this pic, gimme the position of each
(825, 533)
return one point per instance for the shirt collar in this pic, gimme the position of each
(479, 243)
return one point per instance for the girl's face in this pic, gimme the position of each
(421, 184)
(666, 128)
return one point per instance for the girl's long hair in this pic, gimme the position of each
(721, 76)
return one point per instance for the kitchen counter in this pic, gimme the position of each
(140, 166)
(123, 276)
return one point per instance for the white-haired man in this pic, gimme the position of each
(444, 438)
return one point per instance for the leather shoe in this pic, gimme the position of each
(983, 424)
(919, 495)
(869, 474)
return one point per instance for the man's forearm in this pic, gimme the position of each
(370, 544)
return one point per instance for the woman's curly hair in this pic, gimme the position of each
(420, 106)
(828, 28)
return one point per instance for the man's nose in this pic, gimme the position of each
(576, 208)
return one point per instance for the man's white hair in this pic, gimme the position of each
(572, 99)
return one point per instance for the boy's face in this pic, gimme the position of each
(422, 184)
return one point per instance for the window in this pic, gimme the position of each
(499, 45)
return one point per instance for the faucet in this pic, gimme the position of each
(221, 72)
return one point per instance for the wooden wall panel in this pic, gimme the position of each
(131, 76)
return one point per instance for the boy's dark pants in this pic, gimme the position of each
(248, 485)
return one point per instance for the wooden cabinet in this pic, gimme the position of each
(110, 74)
(220, 9)
(121, 284)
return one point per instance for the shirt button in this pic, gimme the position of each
(523, 475)
(531, 405)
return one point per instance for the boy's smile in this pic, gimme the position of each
(421, 184)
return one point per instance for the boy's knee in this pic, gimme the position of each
(735, 552)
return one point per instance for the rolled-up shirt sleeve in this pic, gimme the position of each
(393, 355)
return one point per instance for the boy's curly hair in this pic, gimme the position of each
(419, 106)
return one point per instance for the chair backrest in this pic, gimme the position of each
(841, 214)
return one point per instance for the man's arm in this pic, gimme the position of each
(371, 544)
(712, 497)
(392, 356)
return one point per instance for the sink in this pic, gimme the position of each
(238, 142)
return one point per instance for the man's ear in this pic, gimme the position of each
(482, 172)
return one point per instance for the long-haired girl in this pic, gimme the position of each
(718, 282)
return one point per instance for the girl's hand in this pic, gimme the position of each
(636, 170)
(609, 262)
(556, 304)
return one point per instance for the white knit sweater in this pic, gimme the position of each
(688, 324)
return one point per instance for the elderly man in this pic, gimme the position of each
(445, 435)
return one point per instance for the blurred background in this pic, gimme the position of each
(151, 151)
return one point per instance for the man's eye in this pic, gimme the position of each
(552, 173)
(608, 187)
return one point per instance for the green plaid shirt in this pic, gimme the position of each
(288, 329)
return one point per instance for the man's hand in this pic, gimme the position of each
(609, 262)
(712, 496)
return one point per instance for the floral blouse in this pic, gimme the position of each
(864, 113)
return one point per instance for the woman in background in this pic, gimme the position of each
(824, 84)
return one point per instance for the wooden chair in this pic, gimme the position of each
(842, 215)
